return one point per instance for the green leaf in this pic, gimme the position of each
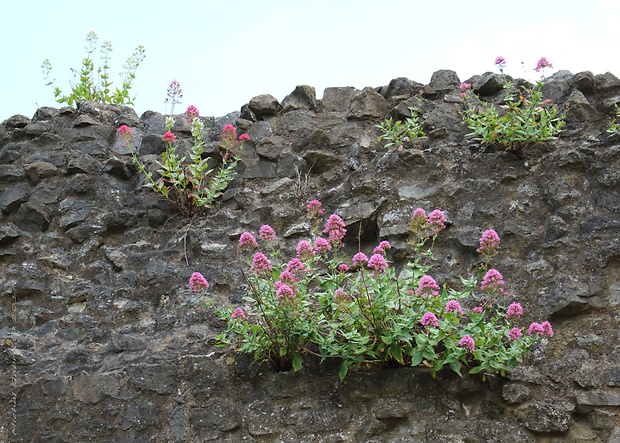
(344, 368)
(296, 361)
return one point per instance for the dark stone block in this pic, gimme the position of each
(13, 197)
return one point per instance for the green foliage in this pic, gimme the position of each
(614, 125)
(397, 133)
(370, 315)
(94, 83)
(522, 122)
(190, 185)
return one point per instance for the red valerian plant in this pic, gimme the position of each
(364, 314)
(189, 186)
(521, 122)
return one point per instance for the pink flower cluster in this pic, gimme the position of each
(304, 250)
(468, 342)
(168, 136)
(238, 313)
(360, 259)
(125, 134)
(260, 263)
(191, 113)
(542, 64)
(229, 132)
(514, 334)
(424, 226)
(500, 62)
(541, 329)
(247, 240)
(489, 242)
(321, 244)
(492, 281)
(381, 248)
(514, 310)
(197, 283)
(429, 319)
(427, 287)
(335, 229)
(377, 262)
(266, 232)
(314, 208)
(453, 306)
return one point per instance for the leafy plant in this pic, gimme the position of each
(397, 133)
(189, 186)
(523, 121)
(614, 125)
(94, 83)
(365, 314)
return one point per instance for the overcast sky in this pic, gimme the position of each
(223, 53)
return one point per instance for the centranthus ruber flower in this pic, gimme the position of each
(314, 208)
(377, 262)
(468, 343)
(168, 136)
(197, 283)
(489, 242)
(238, 313)
(453, 306)
(191, 113)
(335, 229)
(514, 334)
(304, 250)
(514, 310)
(266, 232)
(322, 244)
(542, 64)
(492, 281)
(360, 259)
(429, 319)
(427, 287)
(247, 240)
(260, 263)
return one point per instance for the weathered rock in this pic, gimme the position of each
(338, 99)
(13, 197)
(444, 80)
(303, 97)
(264, 105)
(487, 84)
(367, 104)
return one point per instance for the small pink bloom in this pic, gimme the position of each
(341, 294)
(514, 334)
(260, 263)
(478, 310)
(295, 266)
(229, 131)
(314, 208)
(421, 91)
(168, 136)
(343, 268)
(321, 244)
(244, 137)
(335, 228)
(429, 319)
(247, 240)
(238, 313)
(463, 95)
(304, 250)
(377, 262)
(500, 62)
(542, 64)
(427, 287)
(124, 131)
(489, 242)
(285, 291)
(514, 310)
(191, 113)
(468, 342)
(419, 214)
(547, 328)
(380, 249)
(266, 232)
(536, 329)
(492, 281)
(360, 259)
(465, 86)
(197, 283)
(453, 306)
(436, 221)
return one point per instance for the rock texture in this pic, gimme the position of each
(103, 342)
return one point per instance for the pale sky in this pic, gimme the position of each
(223, 53)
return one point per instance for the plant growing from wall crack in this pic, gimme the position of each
(363, 313)
(94, 83)
(190, 185)
(399, 132)
(521, 122)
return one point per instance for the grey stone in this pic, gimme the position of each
(338, 99)
(161, 378)
(516, 393)
(32, 217)
(444, 80)
(580, 108)
(303, 97)
(487, 84)
(584, 81)
(140, 416)
(541, 417)
(12, 197)
(264, 105)
(40, 170)
(367, 104)
(605, 83)
(259, 131)
(598, 398)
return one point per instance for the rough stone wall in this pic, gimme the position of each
(102, 341)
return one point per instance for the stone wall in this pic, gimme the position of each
(102, 341)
